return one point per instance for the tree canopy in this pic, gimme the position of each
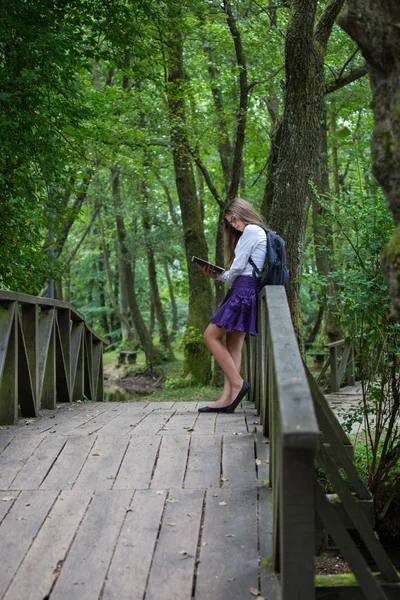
(127, 127)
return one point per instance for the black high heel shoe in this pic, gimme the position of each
(210, 409)
(232, 407)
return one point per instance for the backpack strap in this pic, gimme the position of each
(255, 268)
(251, 261)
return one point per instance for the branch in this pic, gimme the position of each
(108, 273)
(206, 175)
(242, 113)
(87, 229)
(356, 252)
(326, 21)
(137, 144)
(167, 195)
(79, 200)
(224, 145)
(254, 83)
(344, 80)
(348, 61)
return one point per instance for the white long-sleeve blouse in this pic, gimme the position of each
(252, 242)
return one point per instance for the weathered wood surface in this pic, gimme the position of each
(47, 354)
(137, 500)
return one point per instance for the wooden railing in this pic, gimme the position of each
(304, 435)
(340, 358)
(48, 354)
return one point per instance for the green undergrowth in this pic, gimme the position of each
(187, 394)
(175, 386)
(338, 579)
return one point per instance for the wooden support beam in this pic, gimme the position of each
(64, 391)
(89, 384)
(47, 358)
(78, 360)
(8, 363)
(30, 328)
(26, 391)
(348, 548)
(297, 523)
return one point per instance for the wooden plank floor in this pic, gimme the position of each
(141, 500)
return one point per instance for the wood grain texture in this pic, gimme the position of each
(204, 464)
(238, 461)
(102, 464)
(228, 565)
(138, 463)
(89, 557)
(68, 464)
(18, 530)
(14, 457)
(39, 464)
(121, 503)
(171, 464)
(42, 564)
(172, 570)
(131, 562)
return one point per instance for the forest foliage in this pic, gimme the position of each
(127, 126)
(105, 143)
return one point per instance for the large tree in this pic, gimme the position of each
(198, 360)
(297, 144)
(375, 27)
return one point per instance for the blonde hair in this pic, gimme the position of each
(244, 211)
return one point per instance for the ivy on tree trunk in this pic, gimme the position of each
(375, 27)
(197, 357)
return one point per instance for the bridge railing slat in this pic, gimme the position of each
(47, 354)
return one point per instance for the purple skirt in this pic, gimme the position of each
(238, 310)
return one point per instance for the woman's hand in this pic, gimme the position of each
(207, 270)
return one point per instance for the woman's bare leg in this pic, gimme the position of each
(229, 359)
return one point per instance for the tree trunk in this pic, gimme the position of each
(223, 144)
(334, 146)
(76, 207)
(197, 357)
(67, 284)
(297, 160)
(127, 333)
(154, 291)
(128, 274)
(102, 298)
(323, 238)
(174, 307)
(152, 319)
(374, 26)
(109, 278)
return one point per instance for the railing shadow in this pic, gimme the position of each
(48, 354)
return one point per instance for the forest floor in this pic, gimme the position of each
(124, 379)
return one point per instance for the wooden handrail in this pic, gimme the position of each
(304, 433)
(48, 354)
(48, 302)
(284, 400)
(338, 364)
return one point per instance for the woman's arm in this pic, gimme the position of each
(246, 245)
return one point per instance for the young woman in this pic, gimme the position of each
(238, 311)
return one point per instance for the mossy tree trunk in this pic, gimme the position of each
(197, 356)
(323, 239)
(375, 27)
(297, 159)
(172, 298)
(154, 290)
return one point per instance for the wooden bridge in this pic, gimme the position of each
(152, 500)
